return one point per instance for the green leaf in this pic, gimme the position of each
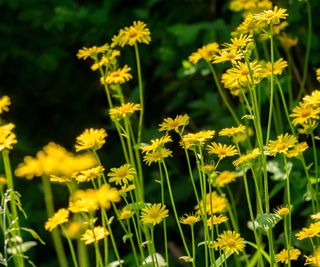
(126, 237)
(222, 259)
(266, 221)
(21, 248)
(34, 234)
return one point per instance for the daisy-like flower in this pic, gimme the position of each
(224, 178)
(190, 219)
(230, 242)
(248, 26)
(216, 220)
(282, 145)
(123, 111)
(126, 214)
(109, 58)
(118, 76)
(222, 150)
(157, 156)
(315, 216)
(60, 217)
(287, 41)
(206, 52)
(136, 33)
(89, 174)
(309, 232)
(283, 210)
(271, 16)
(169, 124)
(278, 67)
(122, 175)
(83, 201)
(232, 131)
(94, 235)
(91, 139)
(232, 55)
(283, 255)
(247, 157)
(313, 99)
(4, 104)
(156, 144)
(214, 204)
(297, 150)
(313, 260)
(303, 113)
(196, 139)
(106, 195)
(92, 52)
(153, 214)
(7, 137)
(239, 42)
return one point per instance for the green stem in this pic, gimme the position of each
(193, 246)
(288, 200)
(73, 254)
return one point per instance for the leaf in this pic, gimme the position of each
(265, 254)
(34, 234)
(21, 248)
(222, 259)
(267, 221)
(126, 237)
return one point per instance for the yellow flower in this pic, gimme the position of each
(248, 26)
(136, 33)
(312, 231)
(222, 150)
(225, 178)
(126, 188)
(239, 42)
(232, 131)
(190, 219)
(283, 210)
(174, 124)
(303, 113)
(287, 41)
(315, 216)
(7, 137)
(4, 104)
(123, 111)
(247, 157)
(91, 139)
(282, 144)
(283, 255)
(216, 220)
(92, 52)
(313, 99)
(153, 214)
(313, 260)
(3, 181)
(230, 242)
(271, 16)
(122, 175)
(94, 235)
(117, 76)
(59, 179)
(206, 52)
(106, 195)
(83, 201)
(297, 150)
(232, 55)
(156, 144)
(89, 174)
(157, 156)
(74, 229)
(317, 73)
(278, 67)
(107, 59)
(126, 214)
(214, 204)
(60, 217)
(196, 139)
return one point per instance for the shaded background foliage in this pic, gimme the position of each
(55, 96)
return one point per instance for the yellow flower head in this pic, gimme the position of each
(232, 131)
(276, 69)
(224, 178)
(313, 99)
(216, 220)
(4, 104)
(136, 33)
(284, 255)
(283, 210)
(245, 158)
(122, 175)
(214, 204)
(118, 76)
(226, 54)
(239, 42)
(157, 156)
(313, 260)
(196, 139)
(7, 137)
(190, 219)
(92, 52)
(108, 59)
(107, 195)
(230, 242)
(315, 216)
(156, 144)
(83, 201)
(282, 145)
(312, 231)
(153, 214)
(74, 228)
(304, 113)
(174, 124)
(94, 235)
(60, 217)
(123, 111)
(271, 16)
(222, 150)
(287, 41)
(126, 214)
(248, 26)
(91, 139)
(89, 174)
(206, 52)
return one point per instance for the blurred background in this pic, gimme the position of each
(55, 96)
